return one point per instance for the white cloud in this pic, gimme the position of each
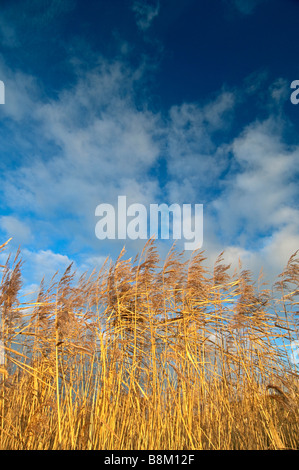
(21, 91)
(104, 147)
(256, 214)
(8, 34)
(280, 91)
(272, 255)
(18, 230)
(194, 162)
(44, 264)
(255, 210)
(145, 13)
(261, 196)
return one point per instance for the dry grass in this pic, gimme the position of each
(143, 356)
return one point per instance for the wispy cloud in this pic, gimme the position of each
(103, 146)
(41, 12)
(8, 36)
(193, 153)
(246, 7)
(17, 229)
(145, 13)
(256, 213)
(260, 197)
(247, 183)
(44, 264)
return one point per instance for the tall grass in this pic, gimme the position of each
(143, 355)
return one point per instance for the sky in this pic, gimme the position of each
(161, 101)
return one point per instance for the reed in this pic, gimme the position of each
(144, 355)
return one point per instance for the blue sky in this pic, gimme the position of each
(173, 101)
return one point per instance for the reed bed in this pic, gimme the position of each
(143, 355)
